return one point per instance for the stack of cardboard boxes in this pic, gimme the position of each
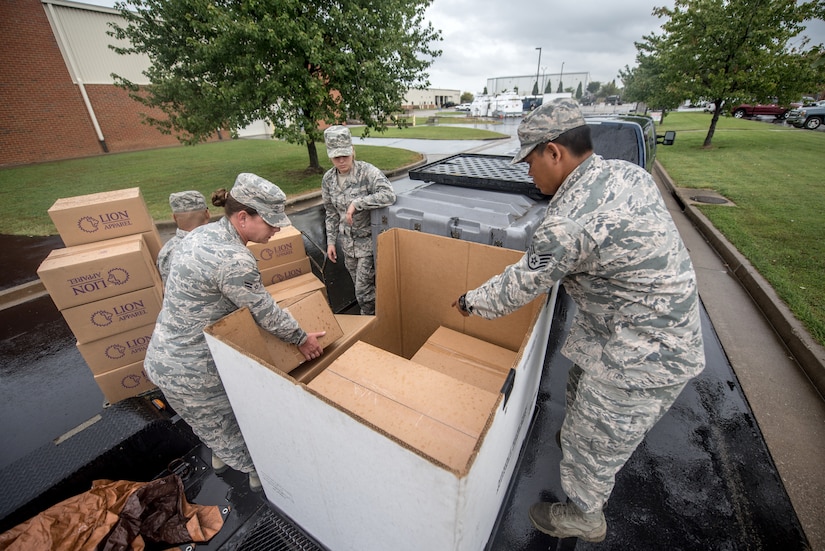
(106, 284)
(282, 257)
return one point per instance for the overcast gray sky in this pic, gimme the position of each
(498, 38)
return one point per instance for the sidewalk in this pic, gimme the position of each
(771, 354)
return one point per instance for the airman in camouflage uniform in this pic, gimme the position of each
(350, 190)
(636, 340)
(189, 211)
(213, 273)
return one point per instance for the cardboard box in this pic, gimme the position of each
(297, 286)
(118, 350)
(99, 216)
(350, 483)
(124, 382)
(312, 313)
(466, 358)
(425, 409)
(277, 274)
(110, 316)
(285, 246)
(92, 272)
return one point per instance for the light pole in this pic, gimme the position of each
(561, 74)
(537, 70)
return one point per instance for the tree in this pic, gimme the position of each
(728, 52)
(536, 88)
(579, 91)
(593, 86)
(560, 88)
(548, 88)
(293, 63)
(467, 97)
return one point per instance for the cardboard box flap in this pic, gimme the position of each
(455, 403)
(312, 313)
(412, 429)
(297, 286)
(355, 328)
(414, 297)
(467, 358)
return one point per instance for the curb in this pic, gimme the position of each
(809, 354)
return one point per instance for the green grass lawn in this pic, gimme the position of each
(775, 175)
(30, 190)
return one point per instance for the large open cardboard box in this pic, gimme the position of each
(351, 484)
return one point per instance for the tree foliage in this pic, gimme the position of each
(727, 52)
(226, 63)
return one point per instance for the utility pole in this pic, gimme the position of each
(537, 70)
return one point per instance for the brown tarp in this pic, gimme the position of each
(117, 515)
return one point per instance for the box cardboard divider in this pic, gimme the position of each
(88, 273)
(110, 316)
(124, 382)
(100, 216)
(332, 463)
(118, 350)
(282, 248)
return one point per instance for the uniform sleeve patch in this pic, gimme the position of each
(253, 284)
(536, 260)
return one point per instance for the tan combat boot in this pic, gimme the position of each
(566, 520)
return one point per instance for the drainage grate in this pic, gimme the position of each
(272, 532)
(709, 199)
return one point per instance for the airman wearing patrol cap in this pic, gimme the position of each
(189, 211)
(636, 340)
(351, 189)
(212, 274)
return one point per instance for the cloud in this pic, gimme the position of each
(486, 39)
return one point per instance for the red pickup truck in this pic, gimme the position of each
(765, 109)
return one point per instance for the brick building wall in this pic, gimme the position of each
(42, 113)
(42, 116)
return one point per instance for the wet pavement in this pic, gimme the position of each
(704, 478)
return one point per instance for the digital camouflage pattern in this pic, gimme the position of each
(547, 123)
(165, 254)
(367, 188)
(212, 274)
(338, 141)
(187, 201)
(609, 239)
(262, 195)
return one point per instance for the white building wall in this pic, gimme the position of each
(430, 98)
(524, 83)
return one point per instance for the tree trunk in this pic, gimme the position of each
(713, 120)
(314, 165)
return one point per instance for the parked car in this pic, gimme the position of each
(810, 116)
(462, 107)
(765, 109)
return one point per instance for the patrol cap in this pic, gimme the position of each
(338, 141)
(262, 195)
(187, 201)
(545, 124)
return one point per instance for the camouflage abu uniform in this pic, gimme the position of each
(213, 273)
(367, 188)
(636, 339)
(184, 201)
